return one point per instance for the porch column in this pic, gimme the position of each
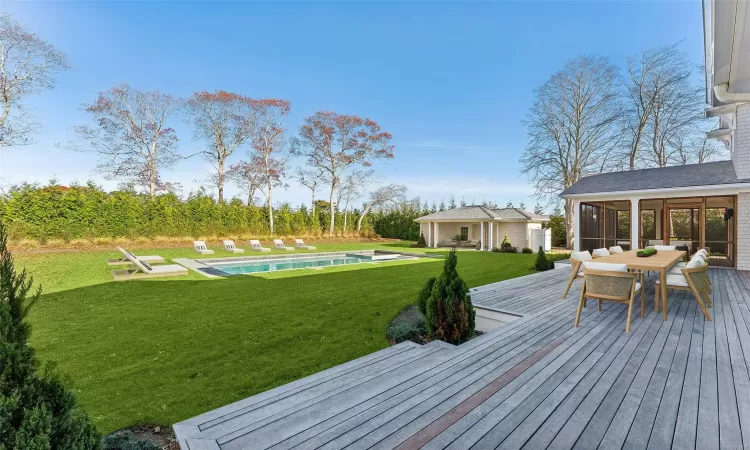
(436, 237)
(634, 221)
(492, 236)
(481, 236)
(429, 234)
(576, 226)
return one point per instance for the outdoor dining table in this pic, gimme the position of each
(661, 262)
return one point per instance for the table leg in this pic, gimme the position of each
(664, 292)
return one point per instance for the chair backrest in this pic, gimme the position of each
(616, 249)
(695, 261)
(600, 252)
(229, 245)
(254, 243)
(697, 275)
(278, 243)
(581, 256)
(665, 247)
(681, 243)
(300, 243)
(655, 242)
(200, 245)
(608, 280)
(142, 266)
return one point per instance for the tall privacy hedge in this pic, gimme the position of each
(86, 212)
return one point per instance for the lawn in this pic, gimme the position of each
(162, 351)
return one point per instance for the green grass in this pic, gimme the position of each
(160, 351)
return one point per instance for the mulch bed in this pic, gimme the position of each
(160, 435)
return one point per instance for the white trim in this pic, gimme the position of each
(492, 236)
(702, 191)
(481, 236)
(634, 222)
(576, 226)
(437, 235)
(497, 219)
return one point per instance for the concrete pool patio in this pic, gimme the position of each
(536, 382)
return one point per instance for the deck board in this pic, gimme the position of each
(536, 382)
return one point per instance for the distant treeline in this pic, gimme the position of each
(81, 212)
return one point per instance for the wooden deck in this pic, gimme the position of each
(534, 383)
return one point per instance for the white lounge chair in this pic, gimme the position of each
(301, 244)
(151, 259)
(255, 245)
(200, 247)
(279, 245)
(230, 247)
(145, 270)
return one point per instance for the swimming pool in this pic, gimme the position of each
(284, 264)
(245, 265)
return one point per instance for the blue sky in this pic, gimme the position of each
(450, 81)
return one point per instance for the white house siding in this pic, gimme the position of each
(741, 144)
(743, 230)
(424, 228)
(518, 233)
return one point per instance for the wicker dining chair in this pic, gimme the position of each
(576, 271)
(615, 285)
(694, 279)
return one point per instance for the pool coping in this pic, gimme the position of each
(203, 266)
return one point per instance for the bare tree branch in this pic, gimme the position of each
(28, 65)
(130, 135)
(571, 127)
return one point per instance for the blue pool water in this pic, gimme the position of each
(273, 265)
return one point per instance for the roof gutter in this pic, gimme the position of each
(641, 192)
(721, 91)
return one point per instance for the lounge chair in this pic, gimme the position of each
(301, 244)
(279, 245)
(145, 270)
(610, 282)
(151, 259)
(200, 247)
(576, 271)
(230, 247)
(255, 245)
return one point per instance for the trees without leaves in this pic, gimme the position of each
(131, 135)
(335, 142)
(248, 176)
(310, 178)
(664, 110)
(223, 121)
(351, 188)
(267, 141)
(570, 127)
(28, 65)
(392, 193)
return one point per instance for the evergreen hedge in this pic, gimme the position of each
(86, 212)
